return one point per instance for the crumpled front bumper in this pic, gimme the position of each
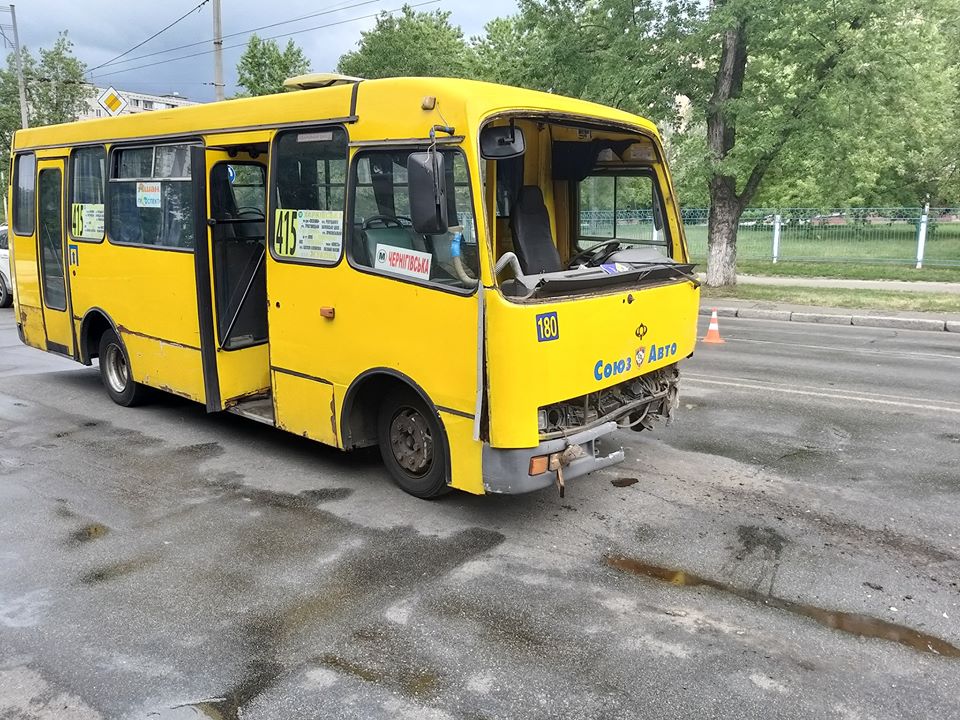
(507, 470)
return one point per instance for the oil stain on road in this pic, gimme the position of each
(853, 623)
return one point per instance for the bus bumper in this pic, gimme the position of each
(508, 471)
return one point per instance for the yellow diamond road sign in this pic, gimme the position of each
(112, 101)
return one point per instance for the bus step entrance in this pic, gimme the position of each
(259, 409)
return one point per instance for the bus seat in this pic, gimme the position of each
(395, 236)
(125, 220)
(254, 227)
(532, 238)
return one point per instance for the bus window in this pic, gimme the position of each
(383, 237)
(248, 185)
(237, 201)
(51, 241)
(86, 193)
(151, 197)
(24, 194)
(311, 170)
(621, 207)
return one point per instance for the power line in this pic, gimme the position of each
(159, 32)
(271, 37)
(336, 8)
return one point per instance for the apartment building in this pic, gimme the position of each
(131, 102)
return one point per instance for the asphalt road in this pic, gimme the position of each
(162, 563)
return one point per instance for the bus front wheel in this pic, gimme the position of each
(412, 444)
(115, 372)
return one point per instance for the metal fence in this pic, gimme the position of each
(916, 236)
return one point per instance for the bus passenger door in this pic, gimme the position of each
(54, 281)
(235, 264)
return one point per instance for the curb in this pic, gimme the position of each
(899, 323)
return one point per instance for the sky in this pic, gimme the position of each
(103, 29)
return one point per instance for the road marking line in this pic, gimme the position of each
(775, 386)
(799, 327)
(859, 351)
(832, 396)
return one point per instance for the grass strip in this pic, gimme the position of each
(840, 297)
(841, 270)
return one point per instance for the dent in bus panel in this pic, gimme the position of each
(165, 366)
(305, 407)
(31, 322)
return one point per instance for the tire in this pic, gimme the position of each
(413, 445)
(6, 297)
(115, 372)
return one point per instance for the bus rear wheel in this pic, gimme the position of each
(115, 372)
(413, 445)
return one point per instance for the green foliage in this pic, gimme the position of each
(264, 66)
(855, 271)
(881, 133)
(56, 90)
(422, 44)
(852, 103)
(859, 298)
(507, 53)
(841, 103)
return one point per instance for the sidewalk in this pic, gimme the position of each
(902, 320)
(909, 285)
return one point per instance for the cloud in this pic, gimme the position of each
(101, 30)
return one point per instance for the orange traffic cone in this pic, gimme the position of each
(713, 332)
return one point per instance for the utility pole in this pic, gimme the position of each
(217, 51)
(24, 115)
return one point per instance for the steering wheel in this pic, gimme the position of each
(387, 221)
(595, 255)
(252, 210)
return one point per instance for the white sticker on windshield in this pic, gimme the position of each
(87, 221)
(315, 136)
(309, 234)
(411, 263)
(320, 234)
(148, 194)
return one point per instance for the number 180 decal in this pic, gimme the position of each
(548, 327)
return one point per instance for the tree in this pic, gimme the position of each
(764, 84)
(56, 90)
(507, 53)
(422, 44)
(263, 66)
(770, 101)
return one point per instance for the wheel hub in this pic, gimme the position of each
(116, 369)
(411, 441)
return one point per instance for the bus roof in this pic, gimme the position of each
(387, 108)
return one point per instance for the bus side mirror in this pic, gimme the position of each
(501, 143)
(427, 187)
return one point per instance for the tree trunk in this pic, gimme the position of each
(722, 226)
(725, 205)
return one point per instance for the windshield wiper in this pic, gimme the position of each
(550, 286)
(695, 281)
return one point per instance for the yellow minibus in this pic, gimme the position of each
(484, 281)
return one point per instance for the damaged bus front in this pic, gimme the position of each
(595, 301)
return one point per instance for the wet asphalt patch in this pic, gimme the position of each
(852, 623)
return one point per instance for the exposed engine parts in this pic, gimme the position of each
(633, 404)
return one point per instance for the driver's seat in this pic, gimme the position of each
(532, 237)
(397, 237)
